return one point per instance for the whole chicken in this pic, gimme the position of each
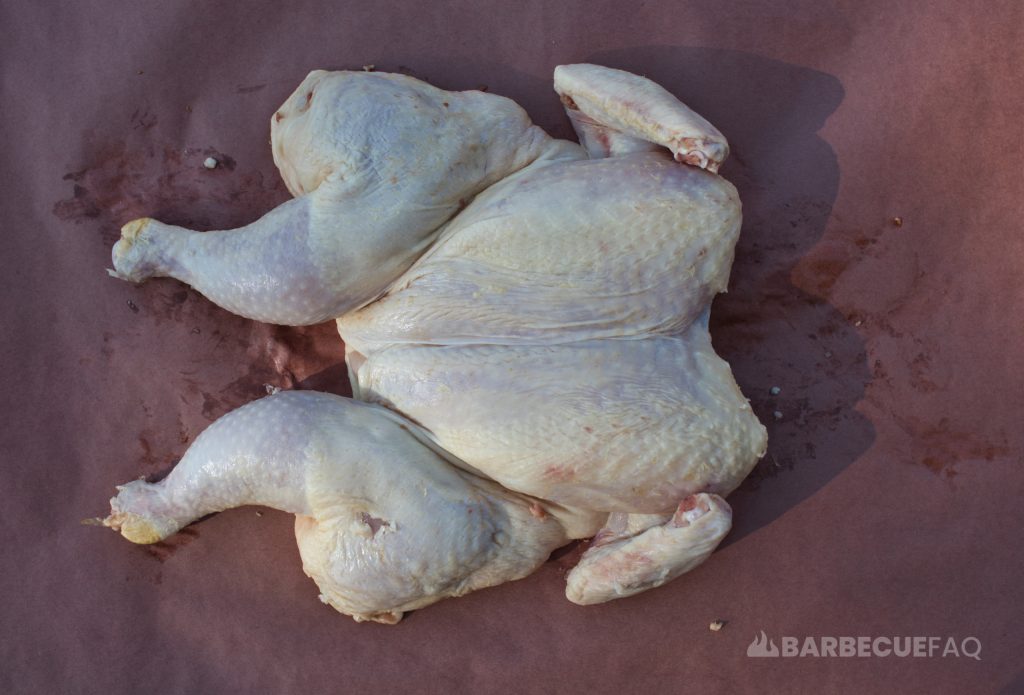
(526, 330)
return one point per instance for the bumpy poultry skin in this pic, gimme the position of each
(378, 163)
(384, 523)
(563, 251)
(573, 368)
(536, 309)
(614, 425)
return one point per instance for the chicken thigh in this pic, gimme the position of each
(384, 523)
(530, 313)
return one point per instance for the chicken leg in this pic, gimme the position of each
(384, 523)
(378, 163)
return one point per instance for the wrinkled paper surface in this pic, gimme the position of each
(889, 501)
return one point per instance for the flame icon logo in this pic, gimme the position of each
(762, 646)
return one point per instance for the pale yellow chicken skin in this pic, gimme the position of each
(525, 321)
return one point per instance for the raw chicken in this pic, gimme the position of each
(530, 313)
(384, 523)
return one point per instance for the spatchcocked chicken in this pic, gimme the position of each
(525, 325)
